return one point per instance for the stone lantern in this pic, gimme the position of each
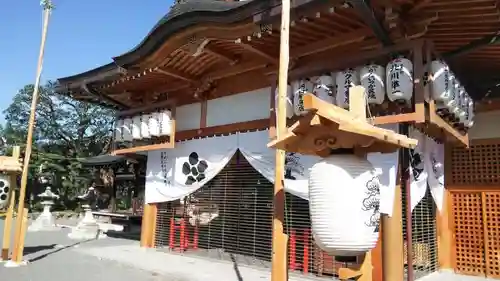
(46, 221)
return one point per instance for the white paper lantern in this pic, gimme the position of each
(154, 124)
(136, 127)
(452, 103)
(399, 77)
(165, 123)
(372, 79)
(127, 129)
(289, 103)
(300, 88)
(145, 126)
(4, 191)
(461, 106)
(344, 198)
(462, 117)
(118, 135)
(324, 88)
(440, 79)
(470, 114)
(344, 81)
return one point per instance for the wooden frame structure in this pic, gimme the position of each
(11, 165)
(209, 58)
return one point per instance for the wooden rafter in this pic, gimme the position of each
(175, 74)
(272, 58)
(221, 54)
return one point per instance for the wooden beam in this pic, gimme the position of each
(330, 43)
(221, 54)
(445, 234)
(279, 271)
(148, 227)
(272, 58)
(176, 74)
(392, 239)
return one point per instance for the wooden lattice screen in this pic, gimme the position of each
(478, 165)
(473, 178)
(491, 209)
(469, 235)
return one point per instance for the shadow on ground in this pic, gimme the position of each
(35, 249)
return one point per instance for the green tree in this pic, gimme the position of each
(65, 130)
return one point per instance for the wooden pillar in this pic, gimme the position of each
(377, 263)
(148, 227)
(445, 234)
(392, 240)
(279, 270)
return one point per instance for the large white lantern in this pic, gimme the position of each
(289, 99)
(300, 88)
(118, 135)
(344, 199)
(145, 126)
(136, 127)
(399, 76)
(127, 130)
(440, 79)
(372, 79)
(324, 88)
(4, 191)
(344, 81)
(154, 124)
(165, 123)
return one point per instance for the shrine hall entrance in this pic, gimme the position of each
(473, 179)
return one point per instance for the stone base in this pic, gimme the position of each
(44, 222)
(86, 229)
(11, 263)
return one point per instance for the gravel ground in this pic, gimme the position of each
(54, 257)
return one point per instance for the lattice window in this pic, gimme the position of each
(469, 234)
(480, 164)
(242, 230)
(492, 226)
(424, 237)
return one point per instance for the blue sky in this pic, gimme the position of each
(82, 35)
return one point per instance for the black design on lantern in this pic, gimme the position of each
(292, 165)
(164, 170)
(372, 203)
(371, 82)
(4, 190)
(347, 84)
(416, 163)
(194, 169)
(396, 71)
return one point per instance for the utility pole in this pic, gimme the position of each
(20, 228)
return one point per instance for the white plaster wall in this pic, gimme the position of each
(188, 117)
(486, 125)
(248, 106)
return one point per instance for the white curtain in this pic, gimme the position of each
(175, 173)
(434, 164)
(253, 145)
(418, 173)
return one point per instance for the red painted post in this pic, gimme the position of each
(181, 248)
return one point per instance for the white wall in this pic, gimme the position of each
(248, 106)
(486, 125)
